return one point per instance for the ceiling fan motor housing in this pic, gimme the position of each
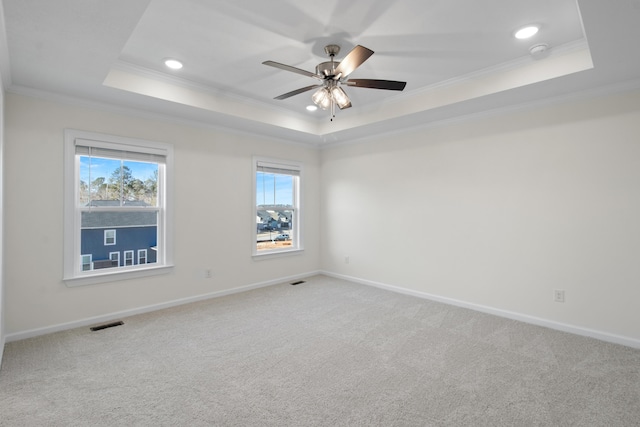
(326, 68)
(332, 49)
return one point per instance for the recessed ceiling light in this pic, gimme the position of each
(526, 32)
(311, 108)
(174, 64)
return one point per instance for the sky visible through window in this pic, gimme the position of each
(274, 189)
(103, 167)
(116, 179)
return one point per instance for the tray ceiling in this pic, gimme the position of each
(458, 57)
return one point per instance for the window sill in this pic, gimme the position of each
(113, 276)
(277, 254)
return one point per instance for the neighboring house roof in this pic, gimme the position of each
(105, 203)
(265, 216)
(275, 212)
(118, 219)
(101, 219)
(285, 216)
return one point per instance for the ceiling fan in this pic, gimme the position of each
(332, 75)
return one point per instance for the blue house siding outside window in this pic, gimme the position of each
(104, 234)
(128, 239)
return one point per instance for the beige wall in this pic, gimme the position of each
(213, 205)
(498, 212)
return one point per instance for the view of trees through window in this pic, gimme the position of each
(114, 179)
(119, 221)
(117, 207)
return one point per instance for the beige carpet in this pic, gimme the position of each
(323, 353)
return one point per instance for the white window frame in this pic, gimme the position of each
(142, 251)
(116, 258)
(106, 237)
(73, 274)
(128, 259)
(82, 263)
(296, 234)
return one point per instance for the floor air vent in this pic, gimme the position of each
(298, 282)
(106, 325)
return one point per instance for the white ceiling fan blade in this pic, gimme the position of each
(296, 92)
(353, 60)
(292, 69)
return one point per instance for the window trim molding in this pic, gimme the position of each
(90, 264)
(133, 260)
(117, 258)
(105, 237)
(142, 251)
(71, 275)
(299, 210)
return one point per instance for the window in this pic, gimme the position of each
(142, 256)
(277, 226)
(109, 237)
(115, 186)
(128, 258)
(85, 260)
(115, 259)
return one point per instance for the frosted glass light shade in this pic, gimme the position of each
(340, 97)
(322, 98)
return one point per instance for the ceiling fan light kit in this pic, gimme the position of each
(332, 74)
(340, 97)
(322, 98)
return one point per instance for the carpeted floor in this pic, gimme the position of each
(323, 353)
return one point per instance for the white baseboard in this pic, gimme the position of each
(577, 330)
(603, 336)
(16, 336)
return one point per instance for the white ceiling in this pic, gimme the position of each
(458, 57)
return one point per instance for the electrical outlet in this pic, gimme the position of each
(208, 273)
(346, 260)
(558, 295)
